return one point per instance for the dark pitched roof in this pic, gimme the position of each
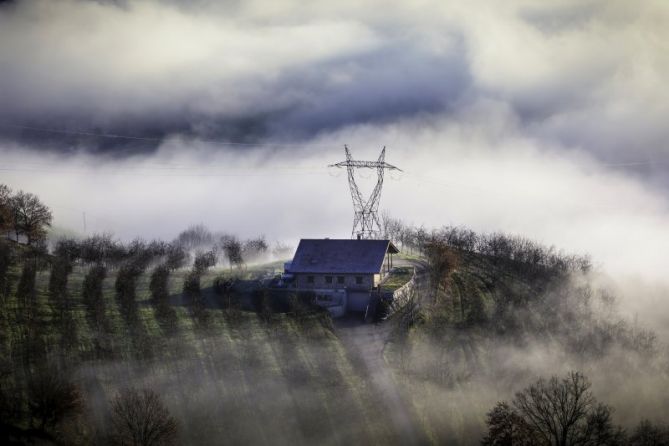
(340, 256)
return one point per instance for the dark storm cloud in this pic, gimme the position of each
(579, 75)
(295, 80)
(392, 83)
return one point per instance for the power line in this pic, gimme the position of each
(162, 139)
(269, 173)
(635, 163)
(37, 165)
(249, 144)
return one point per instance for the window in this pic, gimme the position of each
(310, 279)
(340, 279)
(358, 280)
(328, 279)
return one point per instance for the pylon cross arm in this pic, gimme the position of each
(366, 164)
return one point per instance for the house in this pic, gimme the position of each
(342, 273)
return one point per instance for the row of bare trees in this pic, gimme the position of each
(100, 253)
(497, 246)
(237, 252)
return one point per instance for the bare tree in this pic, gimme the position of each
(25, 290)
(6, 261)
(176, 256)
(555, 408)
(51, 398)
(253, 248)
(191, 288)
(281, 250)
(30, 216)
(196, 236)
(506, 428)
(139, 255)
(101, 249)
(233, 250)
(158, 283)
(96, 308)
(61, 267)
(554, 412)
(204, 261)
(159, 287)
(386, 220)
(140, 418)
(5, 208)
(649, 434)
(441, 261)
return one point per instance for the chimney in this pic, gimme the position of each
(359, 236)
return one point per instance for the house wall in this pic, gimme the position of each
(320, 282)
(388, 263)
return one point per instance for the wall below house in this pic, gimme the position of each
(358, 295)
(357, 300)
(335, 301)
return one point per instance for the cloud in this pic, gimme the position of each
(586, 75)
(477, 168)
(151, 62)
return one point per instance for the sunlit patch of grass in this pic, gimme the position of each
(397, 278)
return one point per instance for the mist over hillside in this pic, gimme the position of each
(234, 365)
(175, 153)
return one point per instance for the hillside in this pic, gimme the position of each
(428, 373)
(244, 378)
(498, 323)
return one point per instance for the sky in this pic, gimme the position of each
(544, 119)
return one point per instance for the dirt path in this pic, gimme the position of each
(365, 342)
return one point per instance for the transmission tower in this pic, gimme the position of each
(366, 223)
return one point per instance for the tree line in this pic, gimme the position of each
(497, 246)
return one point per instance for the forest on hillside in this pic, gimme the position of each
(504, 341)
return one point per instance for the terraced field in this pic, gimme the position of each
(241, 379)
(261, 377)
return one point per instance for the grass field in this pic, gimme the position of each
(398, 277)
(241, 379)
(245, 377)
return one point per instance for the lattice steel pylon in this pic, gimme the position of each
(366, 223)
